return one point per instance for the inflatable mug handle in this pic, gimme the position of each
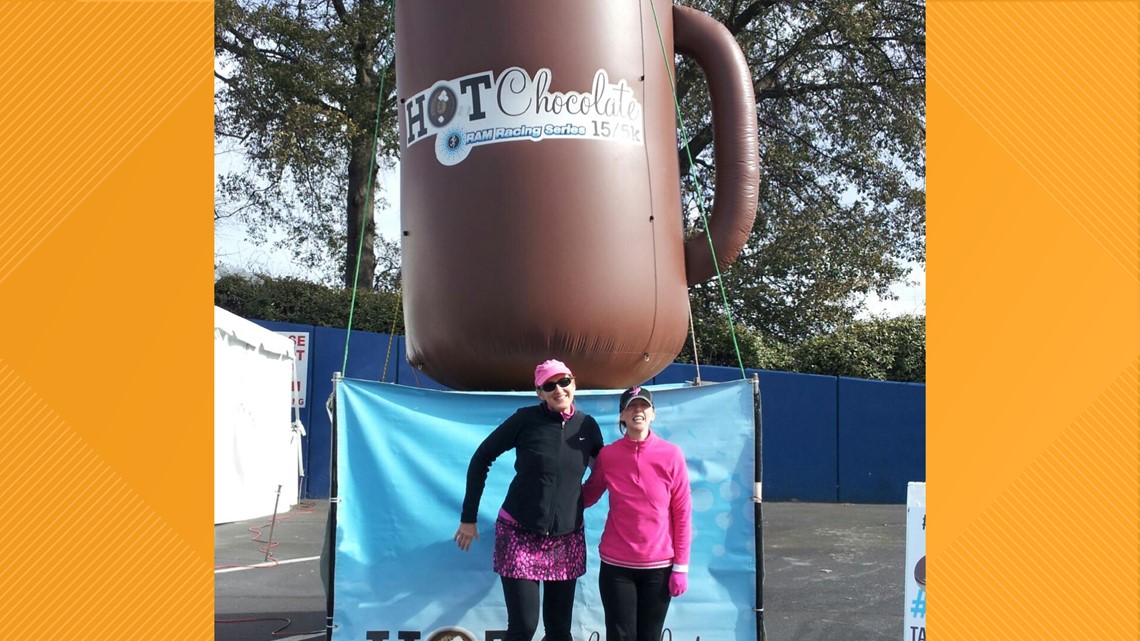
(736, 150)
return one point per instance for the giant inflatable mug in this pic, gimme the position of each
(540, 189)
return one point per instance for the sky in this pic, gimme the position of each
(911, 297)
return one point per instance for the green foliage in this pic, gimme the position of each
(291, 300)
(840, 94)
(892, 349)
(718, 345)
(388, 272)
(889, 349)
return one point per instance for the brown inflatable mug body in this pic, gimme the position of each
(540, 196)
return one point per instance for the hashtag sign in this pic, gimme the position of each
(918, 605)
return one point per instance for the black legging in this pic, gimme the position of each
(635, 602)
(522, 608)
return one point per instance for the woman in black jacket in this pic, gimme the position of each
(539, 536)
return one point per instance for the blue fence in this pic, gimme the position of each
(825, 438)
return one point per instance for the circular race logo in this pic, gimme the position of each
(451, 634)
(442, 105)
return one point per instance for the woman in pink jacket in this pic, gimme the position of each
(645, 545)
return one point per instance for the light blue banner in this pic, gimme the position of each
(401, 463)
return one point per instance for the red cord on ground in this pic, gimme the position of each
(277, 632)
(270, 561)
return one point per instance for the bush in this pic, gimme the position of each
(889, 349)
(291, 300)
(715, 347)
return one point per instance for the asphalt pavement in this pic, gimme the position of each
(832, 572)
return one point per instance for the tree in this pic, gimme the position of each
(388, 274)
(840, 91)
(299, 95)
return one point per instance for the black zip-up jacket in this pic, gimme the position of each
(551, 456)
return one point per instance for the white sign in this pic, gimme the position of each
(483, 109)
(300, 366)
(914, 612)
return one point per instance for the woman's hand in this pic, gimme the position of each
(678, 583)
(464, 534)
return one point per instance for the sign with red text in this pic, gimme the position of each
(300, 366)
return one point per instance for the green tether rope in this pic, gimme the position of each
(700, 199)
(367, 208)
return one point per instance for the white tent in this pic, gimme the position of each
(256, 449)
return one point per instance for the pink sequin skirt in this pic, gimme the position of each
(522, 554)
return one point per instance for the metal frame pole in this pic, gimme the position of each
(757, 503)
(330, 528)
(273, 523)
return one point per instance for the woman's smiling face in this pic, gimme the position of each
(561, 397)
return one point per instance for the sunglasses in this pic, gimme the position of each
(565, 381)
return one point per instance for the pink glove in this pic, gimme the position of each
(678, 583)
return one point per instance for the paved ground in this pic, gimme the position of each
(833, 572)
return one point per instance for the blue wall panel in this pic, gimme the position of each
(882, 439)
(825, 439)
(675, 373)
(365, 361)
(686, 373)
(799, 414)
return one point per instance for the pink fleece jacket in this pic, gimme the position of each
(649, 524)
